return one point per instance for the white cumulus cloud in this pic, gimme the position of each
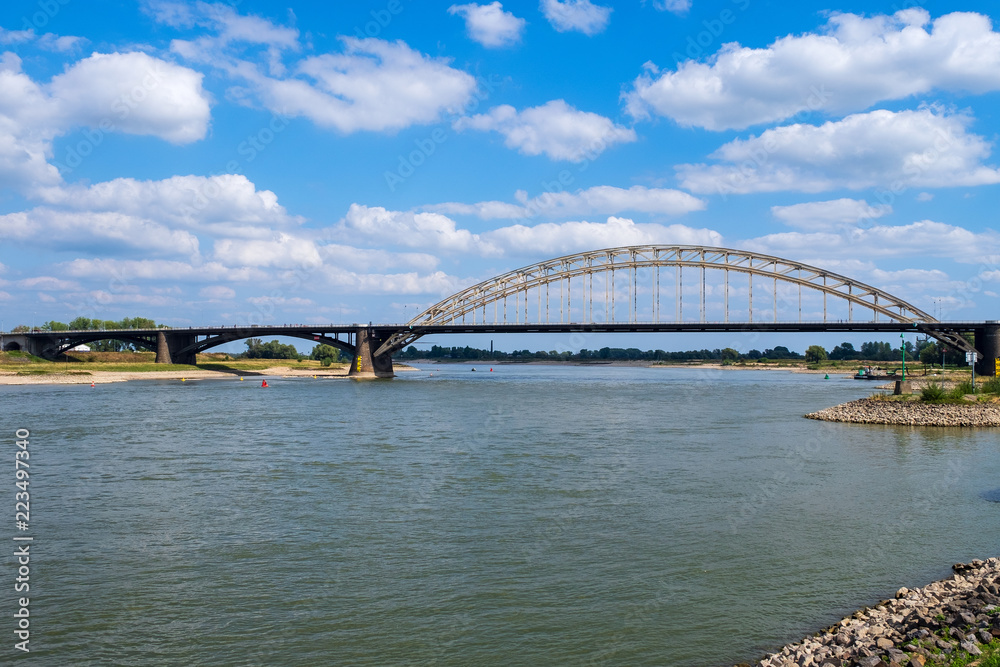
(599, 199)
(489, 24)
(923, 238)
(555, 128)
(922, 148)
(852, 64)
(217, 292)
(408, 229)
(226, 204)
(134, 93)
(576, 15)
(28, 125)
(96, 231)
(829, 215)
(553, 239)
(285, 251)
(675, 6)
(372, 85)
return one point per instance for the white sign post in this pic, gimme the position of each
(970, 358)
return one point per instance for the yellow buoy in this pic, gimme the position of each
(183, 380)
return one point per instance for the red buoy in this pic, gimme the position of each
(263, 383)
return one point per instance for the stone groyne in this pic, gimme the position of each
(923, 626)
(911, 413)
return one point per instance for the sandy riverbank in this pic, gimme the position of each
(105, 377)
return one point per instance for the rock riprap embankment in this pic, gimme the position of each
(911, 413)
(920, 627)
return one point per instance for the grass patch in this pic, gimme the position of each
(21, 357)
(110, 357)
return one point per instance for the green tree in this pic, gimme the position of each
(729, 354)
(326, 354)
(815, 354)
(844, 351)
(55, 326)
(270, 350)
(930, 354)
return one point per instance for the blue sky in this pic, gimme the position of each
(214, 163)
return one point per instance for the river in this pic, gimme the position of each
(521, 516)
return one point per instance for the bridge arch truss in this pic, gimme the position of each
(661, 284)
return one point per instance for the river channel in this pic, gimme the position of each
(526, 515)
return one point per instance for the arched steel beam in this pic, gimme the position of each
(499, 288)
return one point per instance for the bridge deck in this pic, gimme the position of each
(554, 327)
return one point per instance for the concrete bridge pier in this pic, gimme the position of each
(988, 344)
(169, 346)
(44, 347)
(365, 364)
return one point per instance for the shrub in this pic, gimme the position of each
(991, 386)
(961, 389)
(932, 392)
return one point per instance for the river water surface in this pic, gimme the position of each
(530, 515)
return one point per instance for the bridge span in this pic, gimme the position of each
(652, 288)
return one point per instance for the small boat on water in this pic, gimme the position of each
(875, 373)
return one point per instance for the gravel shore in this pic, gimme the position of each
(911, 413)
(920, 627)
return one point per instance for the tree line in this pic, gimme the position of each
(924, 351)
(603, 354)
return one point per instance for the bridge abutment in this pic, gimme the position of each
(988, 344)
(365, 364)
(169, 348)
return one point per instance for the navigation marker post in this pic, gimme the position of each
(902, 348)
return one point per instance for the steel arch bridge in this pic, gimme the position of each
(647, 288)
(542, 295)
